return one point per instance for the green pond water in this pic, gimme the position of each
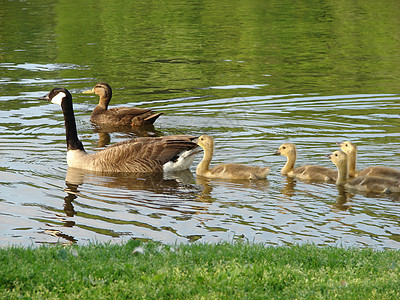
(253, 74)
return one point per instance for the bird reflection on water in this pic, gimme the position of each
(130, 132)
(135, 195)
(162, 183)
(289, 190)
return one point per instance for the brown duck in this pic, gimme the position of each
(118, 116)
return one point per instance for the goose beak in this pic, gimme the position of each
(88, 92)
(328, 156)
(339, 144)
(45, 97)
(277, 152)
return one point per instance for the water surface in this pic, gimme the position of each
(251, 74)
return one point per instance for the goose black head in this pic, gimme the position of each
(57, 96)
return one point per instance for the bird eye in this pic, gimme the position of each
(283, 147)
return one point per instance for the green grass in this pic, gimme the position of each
(198, 271)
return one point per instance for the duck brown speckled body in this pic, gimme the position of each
(118, 116)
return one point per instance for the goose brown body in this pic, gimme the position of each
(225, 171)
(361, 183)
(139, 155)
(378, 171)
(118, 116)
(307, 172)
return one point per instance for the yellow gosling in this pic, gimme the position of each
(307, 172)
(225, 171)
(351, 150)
(361, 183)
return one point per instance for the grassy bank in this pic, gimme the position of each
(240, 270)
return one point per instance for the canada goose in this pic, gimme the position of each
(351, 150)
(118, 116)
(225, 171)
(307, 172)
(361, 183)
(138, 155)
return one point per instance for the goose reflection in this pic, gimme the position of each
(63, 238)
(58, 234)
(174, 183)
(164, 183)
(72, 192)
(120, 205)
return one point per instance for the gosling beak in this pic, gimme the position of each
(328, 156)
(339, 144)
(45, 97)
(88, 92)
(277, 152)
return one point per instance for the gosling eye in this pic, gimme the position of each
(283, 147)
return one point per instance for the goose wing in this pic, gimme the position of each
(143, 154)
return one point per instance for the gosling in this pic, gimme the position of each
(351, 150)
(307, 172)
(361, 183)
(225, 171)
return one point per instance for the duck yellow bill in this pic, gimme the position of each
(88, 92)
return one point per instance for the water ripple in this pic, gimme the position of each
(39, 67)
(43, 203)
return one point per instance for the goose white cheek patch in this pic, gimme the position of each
(58, 98)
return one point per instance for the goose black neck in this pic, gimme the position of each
(73, 142)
